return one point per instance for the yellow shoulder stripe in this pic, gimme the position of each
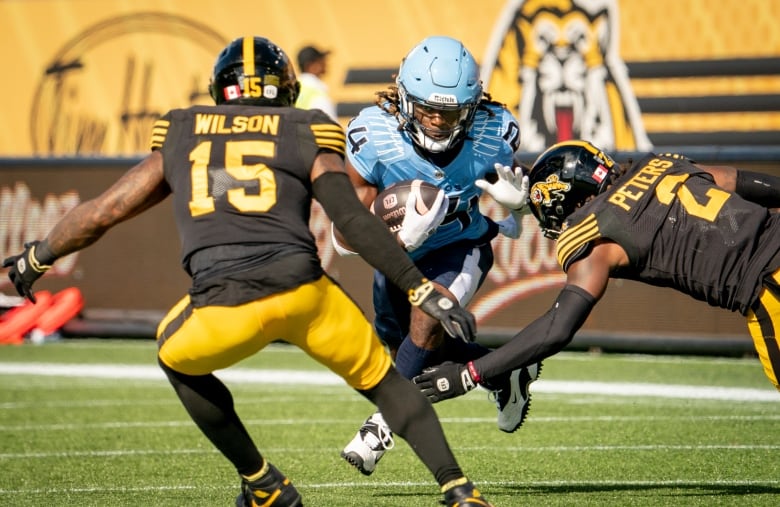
(573, 238)
(330, 136)
(159, 131)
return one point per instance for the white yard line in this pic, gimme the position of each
(298, 377)
(404, 484)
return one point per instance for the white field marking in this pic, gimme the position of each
(458, 448)
(24, 405)
(293, 377)
(112, 425)
(401, 484)
(144, 372)
(751, 362)
(635, 389)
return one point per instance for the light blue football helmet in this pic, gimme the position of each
(438, 76)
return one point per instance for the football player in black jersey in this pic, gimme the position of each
(242, 175)
(708, 231)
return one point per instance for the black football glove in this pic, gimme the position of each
(457, 321)
(445, 381)
(25, 269)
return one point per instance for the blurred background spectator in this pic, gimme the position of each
(312, 66)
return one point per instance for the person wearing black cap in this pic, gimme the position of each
(313, 64)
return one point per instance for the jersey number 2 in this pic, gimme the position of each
(202, 201)
(668, 188)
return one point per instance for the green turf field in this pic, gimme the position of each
(93, 423)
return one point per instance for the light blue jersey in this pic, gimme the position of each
(383, 155)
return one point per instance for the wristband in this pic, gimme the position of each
(419, 293)
(41, 257)
(473, 372)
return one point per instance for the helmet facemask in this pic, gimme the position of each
(455, 122)
(438, 80)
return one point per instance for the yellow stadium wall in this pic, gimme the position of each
(86, 78)
(89, 76)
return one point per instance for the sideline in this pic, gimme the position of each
(299, 377)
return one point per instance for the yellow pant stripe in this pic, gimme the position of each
(763, 325)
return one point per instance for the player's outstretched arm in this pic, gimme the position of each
(760, 188)
(140, 188)
(545, 336)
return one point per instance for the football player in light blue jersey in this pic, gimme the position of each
(438, 125)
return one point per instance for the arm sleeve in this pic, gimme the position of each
(545, 336)
(364, 232)
(763, 189)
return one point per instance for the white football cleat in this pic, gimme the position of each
(514, 400)
(369, 445)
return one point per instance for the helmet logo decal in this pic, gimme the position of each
(232, 92)
(600, 173)
(440, 98)
(542, 191)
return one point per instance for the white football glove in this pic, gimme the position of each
(416, 228)
(510, 190)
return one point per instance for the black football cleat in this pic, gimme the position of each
(271, 490)
(464, 495)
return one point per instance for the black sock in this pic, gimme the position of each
(411, 360)
(210, 405)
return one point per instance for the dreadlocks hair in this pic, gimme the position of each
(389, 101)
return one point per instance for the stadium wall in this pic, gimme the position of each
(86, 79)
(133, 274)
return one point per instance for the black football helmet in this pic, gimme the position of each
(563, 178)
(253, 71)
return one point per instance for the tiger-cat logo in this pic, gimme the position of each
(555, 63)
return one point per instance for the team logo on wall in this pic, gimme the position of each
(104, 89)
(555, 63)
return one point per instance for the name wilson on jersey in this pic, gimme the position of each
(218, 124)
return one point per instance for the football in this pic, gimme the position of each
(390, 204)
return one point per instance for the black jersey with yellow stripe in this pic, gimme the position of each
(679, 230)
(240, 175)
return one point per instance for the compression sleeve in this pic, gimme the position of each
(763, 189)
(364, 232)
(542, 338)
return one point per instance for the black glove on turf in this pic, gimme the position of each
(457, 321)
(25, 269)
(445, 381)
